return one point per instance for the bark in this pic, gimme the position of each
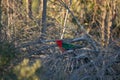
(44, 22)
(38, 8)
(8, 21)
(103, 16)
(0, 20)
(107, 18)
(110, 18)
(29, 8)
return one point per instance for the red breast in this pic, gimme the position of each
(59, 43)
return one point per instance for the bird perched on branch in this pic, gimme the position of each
(66, 46)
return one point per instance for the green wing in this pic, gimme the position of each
(68, 46)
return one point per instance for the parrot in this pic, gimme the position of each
(63, 46)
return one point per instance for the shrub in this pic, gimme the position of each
(7, 55)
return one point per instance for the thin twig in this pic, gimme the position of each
(65, 21)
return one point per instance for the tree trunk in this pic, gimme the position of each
(0, 12)
(38, 8)
(110, 18)
(107, 18)
(8, 21)
(0, 20)
(44, 23)
(29, 8)
(103, 17)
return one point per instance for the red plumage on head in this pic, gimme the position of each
(59, 43)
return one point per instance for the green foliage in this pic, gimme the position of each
(35, 5)
(22, 71)
(7, 53)
(25, 71)
(9, 75)
(76, 7)
(74, 21)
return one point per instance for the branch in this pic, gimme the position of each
(65, 21)
(77, 21)
(86, 38)
(39, 51)
(79, 25)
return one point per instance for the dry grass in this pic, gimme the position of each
(82, 65)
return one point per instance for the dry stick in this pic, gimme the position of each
(78, 23)
(82, 38)
(91, 41)
(65, 21)
(45, 41)
(99, 58)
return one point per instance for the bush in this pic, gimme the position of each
(7, 55)
(26, 70)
